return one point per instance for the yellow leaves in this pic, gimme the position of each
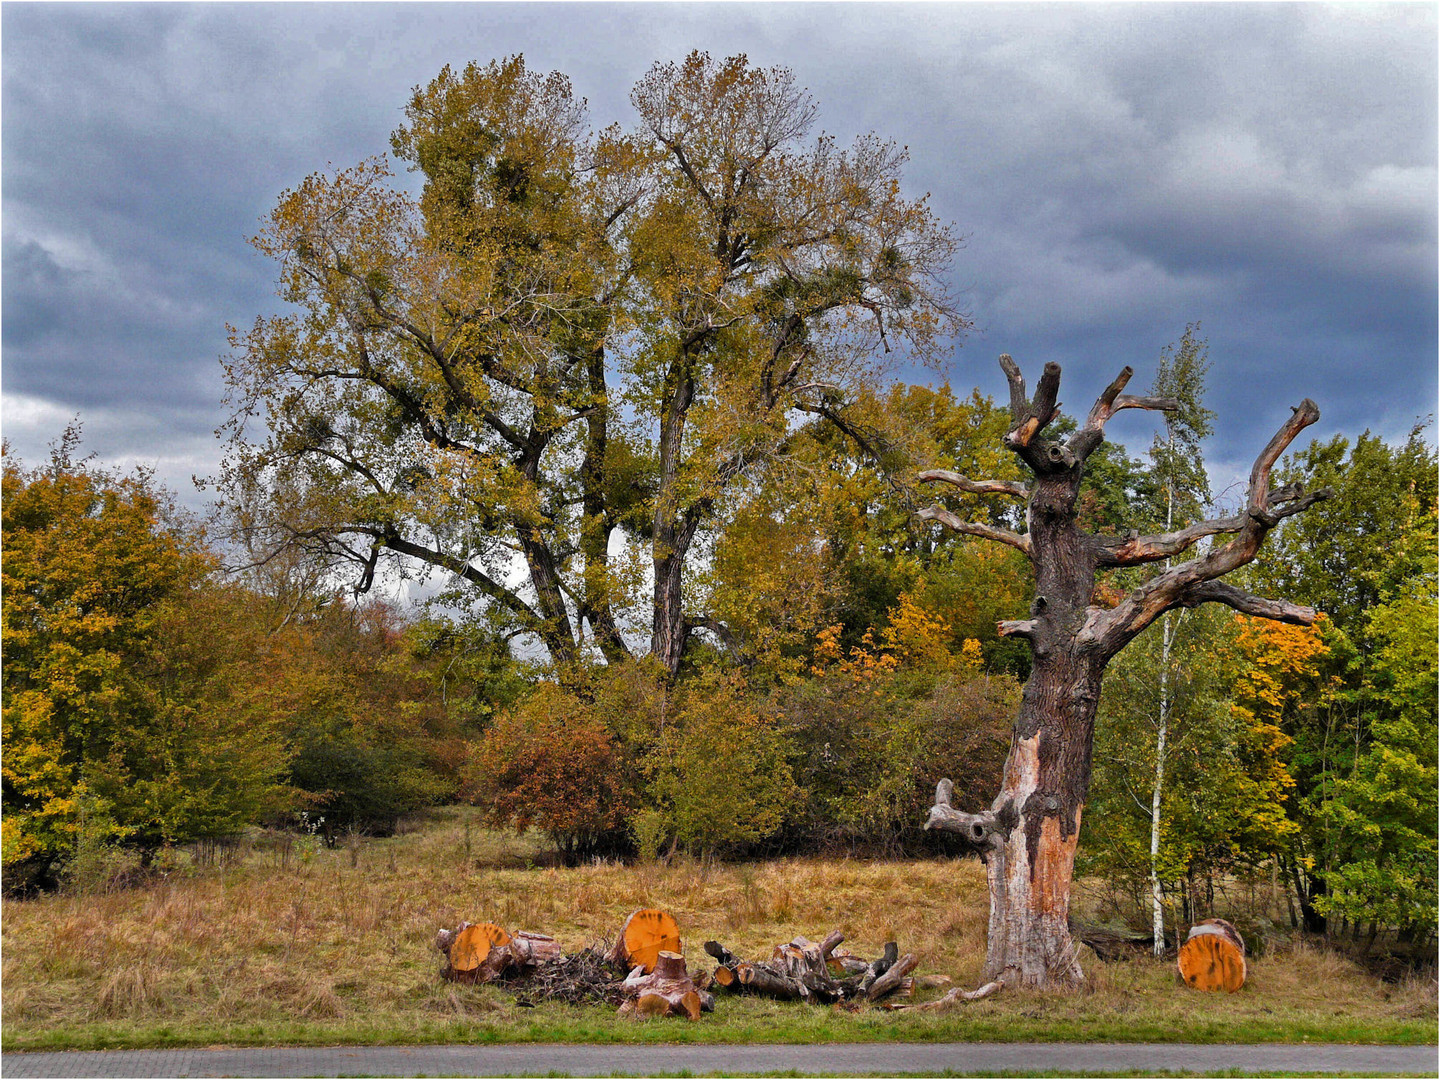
(971, 656)
(15, 844)
(1276, 657)
(911, 637)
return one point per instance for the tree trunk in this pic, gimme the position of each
(674, 524)
(1029, 834)
(1031, 859)
(598, 519)
(1157, 896)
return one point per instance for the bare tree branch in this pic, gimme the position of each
(1019, 402)
(987, 532)
(975, 487)
(1247, 603)
(1016, 628)
(1135, 550)
(1109, 631)
(980, 829)
(1084, 442)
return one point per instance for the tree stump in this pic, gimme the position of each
(668, 990)
(1213, 957)
(646, 934)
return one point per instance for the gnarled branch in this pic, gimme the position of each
(975, 487)
(1084, 442)
(1246, 603)
(1135, 550)
(980, 828)
(971, 528)
(1109, 631)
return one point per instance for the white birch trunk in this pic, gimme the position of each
(1167, 638)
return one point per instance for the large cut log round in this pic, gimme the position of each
(1213, 957)
(472, 945)
(646, 934)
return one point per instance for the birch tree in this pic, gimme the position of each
(1180, 466)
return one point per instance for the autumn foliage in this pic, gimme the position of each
(551, 765)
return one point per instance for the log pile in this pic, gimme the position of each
(804, 970)
(1213, 957)
(658, 982)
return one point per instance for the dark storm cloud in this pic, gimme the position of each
(1119, 171)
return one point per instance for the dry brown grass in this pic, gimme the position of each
(339, 947)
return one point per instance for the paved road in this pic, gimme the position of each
(846, 1060)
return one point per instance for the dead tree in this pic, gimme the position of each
(1029, 834)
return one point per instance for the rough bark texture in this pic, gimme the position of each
(668, 990)
(1029, 834)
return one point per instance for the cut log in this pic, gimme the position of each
(646, 934)
(891, 980)
(880, 967)
(470, 947)
(1213, 957)
(484, 952)
(763, 979)
(847, 963)
(667, 990)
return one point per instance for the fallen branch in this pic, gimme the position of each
(953, 997)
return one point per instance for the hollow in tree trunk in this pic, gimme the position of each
(1029, 834)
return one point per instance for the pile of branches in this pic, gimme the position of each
(581, 978)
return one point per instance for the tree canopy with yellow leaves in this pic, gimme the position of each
(571, 338)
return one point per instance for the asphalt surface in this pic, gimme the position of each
(873, 1059)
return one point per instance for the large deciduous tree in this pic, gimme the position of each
(571, 337)
(1029, 834)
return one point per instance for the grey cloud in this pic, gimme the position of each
(1120, 170)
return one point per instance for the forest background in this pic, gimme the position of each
(690, 436)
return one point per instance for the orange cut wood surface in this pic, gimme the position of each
(473, 944)
(646, 934)
(1212, 962)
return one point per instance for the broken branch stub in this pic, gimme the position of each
(980, 829)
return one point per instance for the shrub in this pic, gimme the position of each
(721, 772)
(550, 764)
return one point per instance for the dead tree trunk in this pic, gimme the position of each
(1029, 834)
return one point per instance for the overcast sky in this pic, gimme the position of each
(1119, 171)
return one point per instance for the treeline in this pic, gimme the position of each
(151, 700)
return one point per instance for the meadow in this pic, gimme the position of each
(299, 944)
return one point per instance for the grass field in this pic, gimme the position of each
(336, 946)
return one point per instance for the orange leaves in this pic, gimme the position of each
(912, 636)
(551, 764)
(1276, 657)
